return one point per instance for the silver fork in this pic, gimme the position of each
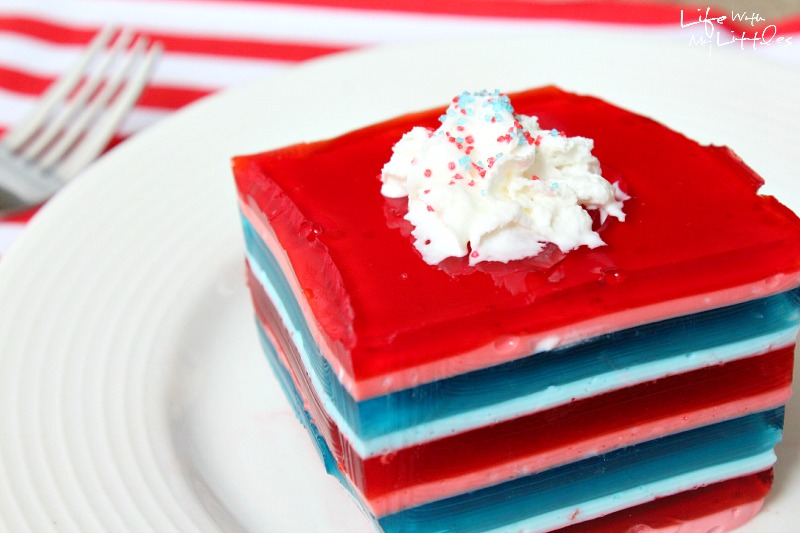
(75, 118)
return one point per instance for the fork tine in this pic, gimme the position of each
(101, 132)
(78, 100)
(17, 136)
(90, 112)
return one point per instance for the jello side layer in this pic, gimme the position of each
(381, 306)
(707, 454)
(415, 474)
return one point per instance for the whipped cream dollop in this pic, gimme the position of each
(492, 184)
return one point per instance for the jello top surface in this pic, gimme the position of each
(697, 235)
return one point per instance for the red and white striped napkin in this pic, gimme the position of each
(214, 44)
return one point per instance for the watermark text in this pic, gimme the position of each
(717, 33)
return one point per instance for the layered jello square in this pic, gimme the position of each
(635, 379)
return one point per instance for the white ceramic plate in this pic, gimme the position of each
(133, 394)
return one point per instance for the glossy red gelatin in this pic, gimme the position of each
(697, 236)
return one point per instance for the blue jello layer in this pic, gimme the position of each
(588, 488)
(544, 380)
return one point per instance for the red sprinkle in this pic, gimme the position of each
(470, 139)
(427, 173)
(451, 165)
(430, 209)
(481, 170)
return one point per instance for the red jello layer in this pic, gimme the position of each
(490, 454)
(697, 236)
(715, 508)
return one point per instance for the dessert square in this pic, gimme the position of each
(593, 387)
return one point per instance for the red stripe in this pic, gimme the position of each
(196, 44)
(169, 97)
(247, 48)
(610, 11)
(47, 31)
(788, 24)
(155, 95)
(580, 10)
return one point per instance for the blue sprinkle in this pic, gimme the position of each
(554, 132)
(465, 161)
(554, 186)
(461, 120)
(460, 140)
(465, 99)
